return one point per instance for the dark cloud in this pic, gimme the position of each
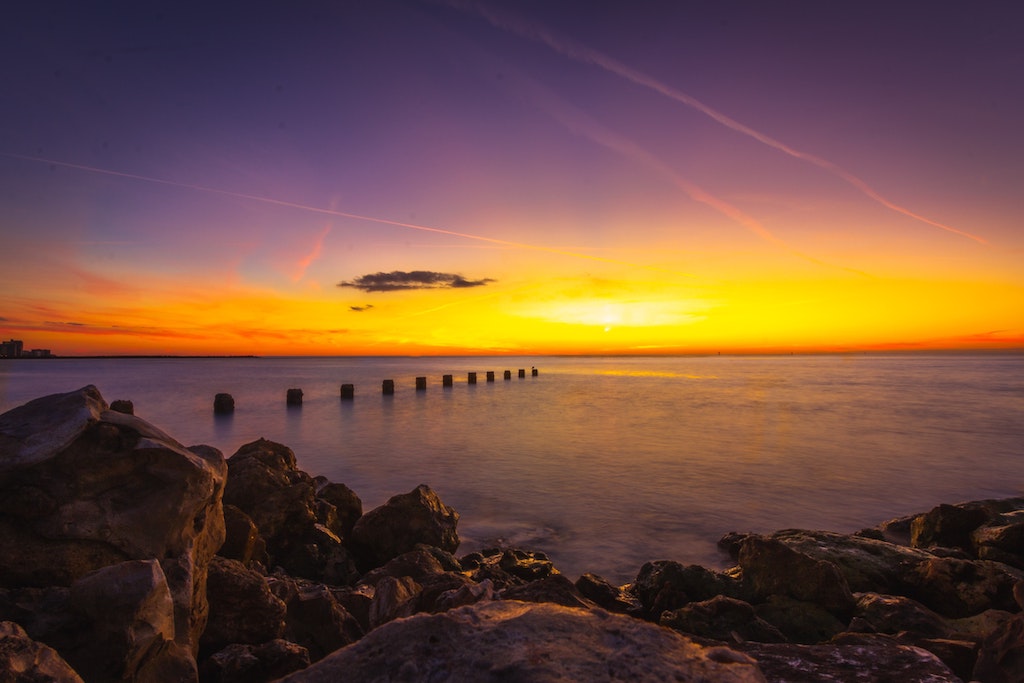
(360, 309)
(416, 279)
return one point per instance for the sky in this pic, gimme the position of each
(405, 177)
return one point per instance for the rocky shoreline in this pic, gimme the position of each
(125, 556)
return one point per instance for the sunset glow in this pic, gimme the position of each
(508, 178)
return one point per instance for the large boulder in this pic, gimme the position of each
(83, 487)
(23, 660)
(962, 588)
(240, 663)
(265, 482)
(722, 618)
(667, 585)
(772, 568)
(398, 526)
(949, 526)
(516, 641)
(242, 608)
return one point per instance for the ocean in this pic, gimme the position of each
(605, 463)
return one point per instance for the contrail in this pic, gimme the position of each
(580, 123)
(586, 55)
(334, 212)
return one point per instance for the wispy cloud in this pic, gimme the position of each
(313, 255)
(360, 309)
(416, 279)
(587, 55)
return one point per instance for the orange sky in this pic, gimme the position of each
(499, 178)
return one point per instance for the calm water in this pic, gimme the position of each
(605, 463)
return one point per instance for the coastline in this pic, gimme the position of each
(289, 571)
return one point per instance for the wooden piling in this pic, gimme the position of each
(471, 378)
(490, 375)
(421, 384)
(508, 374)
(388, 387)
(446, 381)
(522, 373)
(223, 404)
(294, 397)
(348, 391)
(533, 371)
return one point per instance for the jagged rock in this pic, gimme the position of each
(264, 481)
(949, 526)
(516, 641)
(254, 663)
(507, 567)
(448, 591)
(801, 622)
(394, 598)
(1002, 540)
(722, 618)
(242, 608)
(607, 596)
(242, 540)
(347, 506)
(128, 626)
(417, 564)
(400, 524)
(315, 618)
(1001, 656)
(869, 565)
(666, 585)
(83, 487)
(23, 660)
(555, 588)
(961, 588)
(891, 614)
(959, 655)
(865, 659)
(771, 567)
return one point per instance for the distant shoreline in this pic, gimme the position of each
(125, 356)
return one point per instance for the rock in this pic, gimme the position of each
(417, 564)
(949, 526)
(83, 487)
(1002, 540)
(869, 565)
(555, 588)
(607, 596)
(254, 663)
(448, 591)
(242, 540)
(507, 567)
(770, 567)
(242, 608)
(959, 655)
(801, 622)
(393, 598)
(23, 660)
(866, 659)
(722, 618)
(315, 618)
(347, 505)
(961, 588)
(667, 585)
(404, 521)
(128, 626)
(122, 406)
(893, 614)
(515, 641)
(1001, 656)
(264, 481)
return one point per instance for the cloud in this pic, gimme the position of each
(415, 279)
(360, 309)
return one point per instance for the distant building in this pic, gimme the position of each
(11, 348)
(15, 348)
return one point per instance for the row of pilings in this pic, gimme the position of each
(225, 403)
